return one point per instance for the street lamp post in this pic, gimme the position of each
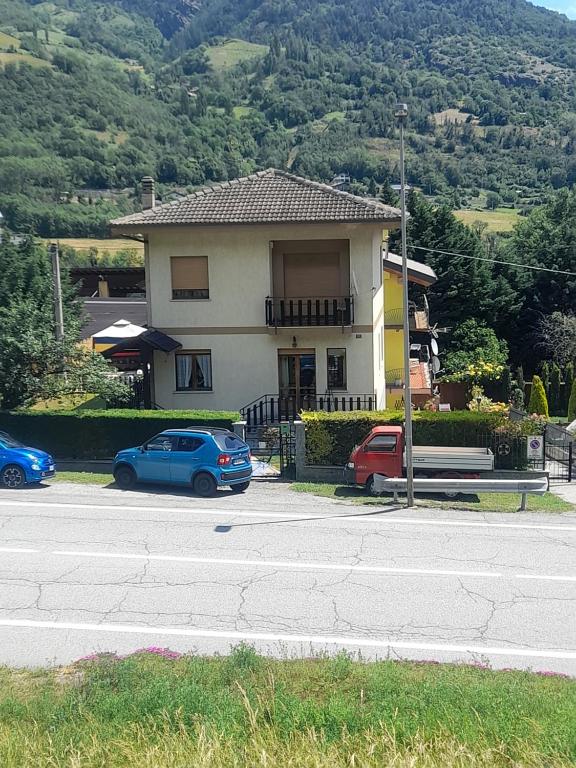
(402, 117)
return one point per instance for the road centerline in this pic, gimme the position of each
(300, 565)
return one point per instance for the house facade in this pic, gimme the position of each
(271, 286)
(421, 334)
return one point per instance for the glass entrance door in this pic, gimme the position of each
(297, 379)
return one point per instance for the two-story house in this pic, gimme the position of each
(269, 285)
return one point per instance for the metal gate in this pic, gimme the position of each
(287, 450)
(559, 453)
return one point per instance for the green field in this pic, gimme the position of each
(8, 41)
(111, 245)
(158, 709)
(499, 220)
(232, 52)
(22, 58)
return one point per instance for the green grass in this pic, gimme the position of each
(70, 403)
(482, 502)
(146, 711)
(8, 41)
(230, 53)
(499, 220)
(240, 112)
(82, 478)
(22, 58)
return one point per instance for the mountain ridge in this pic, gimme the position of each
(98, 94)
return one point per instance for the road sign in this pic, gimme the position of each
(535, 447)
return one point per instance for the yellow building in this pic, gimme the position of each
(420, 333)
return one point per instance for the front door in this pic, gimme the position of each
(297, 378)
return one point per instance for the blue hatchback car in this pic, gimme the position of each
(201, 457)
(20, 465)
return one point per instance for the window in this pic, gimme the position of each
(194, 372)
(336, 369)
(161, 443)
(230, 442)
(189, 277)
(382, 444)
(189, 444)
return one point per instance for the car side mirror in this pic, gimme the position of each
(141, 448)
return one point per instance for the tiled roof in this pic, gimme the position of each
(268, 197)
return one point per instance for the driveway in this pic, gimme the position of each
(85, 569)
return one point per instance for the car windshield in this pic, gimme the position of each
(230, 442)
(9, 441)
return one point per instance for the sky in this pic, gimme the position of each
(564, 6)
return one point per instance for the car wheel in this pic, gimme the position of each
(12, 477)
(240, 487)
(125, 477)
(370, 489)
(204, 485)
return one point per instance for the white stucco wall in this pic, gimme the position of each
(245, 364)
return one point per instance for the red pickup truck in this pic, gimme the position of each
(382, 453)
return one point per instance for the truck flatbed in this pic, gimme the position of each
(452, 459)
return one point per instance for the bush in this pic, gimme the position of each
(330, 437)
(100, 434)
(538, 401)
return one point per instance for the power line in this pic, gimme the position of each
(493, 261)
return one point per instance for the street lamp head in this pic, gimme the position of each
(401, 111)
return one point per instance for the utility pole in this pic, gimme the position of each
(402, 117)
(58, 313)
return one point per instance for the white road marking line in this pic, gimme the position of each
(364, 642)
(350, 517)
(302, 565)
(18, 550)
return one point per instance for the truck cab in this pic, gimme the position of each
(382, 452)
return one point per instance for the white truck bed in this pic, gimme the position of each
(452, 459)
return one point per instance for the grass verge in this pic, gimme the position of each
(155, 709)
(83, 478)
(482, 502)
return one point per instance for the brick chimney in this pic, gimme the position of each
(148, 193)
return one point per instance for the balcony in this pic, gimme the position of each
(418, 317)
(307, 311)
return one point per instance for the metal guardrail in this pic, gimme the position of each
(538, 486)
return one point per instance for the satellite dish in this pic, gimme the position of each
(434, 346)
(436, 364)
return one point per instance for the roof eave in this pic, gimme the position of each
(119, 228)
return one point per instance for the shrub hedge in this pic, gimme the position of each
(330, 437)
(100, 434)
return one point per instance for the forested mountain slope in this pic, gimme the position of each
(95, 94)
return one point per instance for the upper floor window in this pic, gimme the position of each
(194, 372)
(189, 277)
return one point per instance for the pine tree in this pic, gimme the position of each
(538, 401)
(520, 383)
(545, 375)
(554, 390)
(572, 403)
(568, 379)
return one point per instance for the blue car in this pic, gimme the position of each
(20, 465)
(201, 457)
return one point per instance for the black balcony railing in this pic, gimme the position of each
(273, 409)
(309, 311)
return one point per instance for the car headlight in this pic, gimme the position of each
(350, 465)
(36, 467)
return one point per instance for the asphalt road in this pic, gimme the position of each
(86, 569)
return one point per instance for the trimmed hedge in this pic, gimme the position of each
(101, 434)
(330, 437)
